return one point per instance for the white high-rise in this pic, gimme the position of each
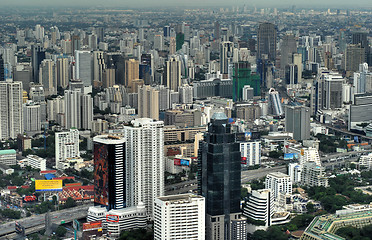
(144, 162)
(278, 182)
(31, 117)
(252, 152)
(11, 117)
(259, 205)
(310, 155)
(47, 77)
(67, 145)
(83, 67)
(179, 217)
(73, 108)
(86, 111)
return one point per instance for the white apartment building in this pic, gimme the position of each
(278, 182)
(313, 175)
(252, 152)
(294, 172)
(144, 161)
(36, 162)
(31, 117)
(179, 217)
(67, 145)
(310, 155)
(366, 161)
(11, 115)
(259, 205)
(8, 157)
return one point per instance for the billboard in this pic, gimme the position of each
(243, 160)
(177, 162)
(92, 226)
(112, 218)
(185, 162)
(48, 185)
(290, 156)
(100, 174)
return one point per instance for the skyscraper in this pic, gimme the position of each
(173, 73)
(241, 77)
(297, 121)
(288, 47)
(148, 102)
(355, 55)
(38, 55)
(2, 73)
(62, 71)
(266, 44)
(219, 177)
(275, 103)
(109, 171)
(144, 162)
(362, 39)
(47, 77)
(131, 73)
(11, 117)
(66, 145)
(226, 53)
(73, 108)
(83, 67)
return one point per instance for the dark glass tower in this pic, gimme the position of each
(109, 180)
(219, 176)
(2, 72)
(266, 44)
(38, 55)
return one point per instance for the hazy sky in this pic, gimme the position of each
(162, 3)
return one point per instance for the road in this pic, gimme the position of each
(66, 215)
(344, 131)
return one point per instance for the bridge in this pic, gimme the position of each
(36, 223)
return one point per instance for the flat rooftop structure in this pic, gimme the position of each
(324, 227)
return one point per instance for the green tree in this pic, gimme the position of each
(70, 202)
(310, 207)
(61, 231)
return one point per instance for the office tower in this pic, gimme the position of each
(180, 40)
(266, 37)
(11, 117)
(212, 88)
(355, 55)
(313, 175)
(39, 32)
(278, 182)
(259, 205)
(99, 66)
(62, 72)
(158, 42)
(2, 70)
(56, 110)
(297, 61)
(38, 55)
(86, 111)
(287, 48)
(179, 217)
(100, 31)
(83, 67)
(217, 31)
(219, 177)
(362, 39)
(247, 93)
(251, 153)
(92, 42)
(226, 54)
(37, 95)
(173, 73)
(146, 68)
(131, 73)
(108, 78)
(242, 76)
(266, 70)
(148, 102)
(329, 90)
(185, 92)
(275, 103)
(297, 121)
(172, 46)
(76, 43)
(294, 172)
(310, 155)
(144, 162)
(66, 145)
(362, 79)
(166, 31)
(23, 73)
(73, 108)
(116, 61)
(109, 171)
(291, 74)
(164, 95)
(66, 47)
(31, 118)
(360, 110)
(47, 77)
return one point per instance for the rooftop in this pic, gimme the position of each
(7, 151)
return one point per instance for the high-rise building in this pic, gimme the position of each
(66, 145)
(173, 73)
(360, 110)
(329, 90)
(83, 67)
(219, 177)
(11, 117)
(99, 66)
(259, 205)
(287, 48)
(242, 76)
(251, 153)
(266, 41)
(313, 175)
(362, 39)
(158, 42)
(362, 79)
(31, 117)
(297, 121)
(73, 108)
(275, 103)
(179, 217)
(355, 55)
(131, 73)
(38, 55)
(278, 182)
(226, 53)
(37, 95)
(47, 77)
(144, 162)
(217, 30)
(86, 111)
(2, 73)
(186, 92)
(148, 102)
(310, 155)
(62, 72)
(109, 171)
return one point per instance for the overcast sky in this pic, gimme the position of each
(191, 3)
